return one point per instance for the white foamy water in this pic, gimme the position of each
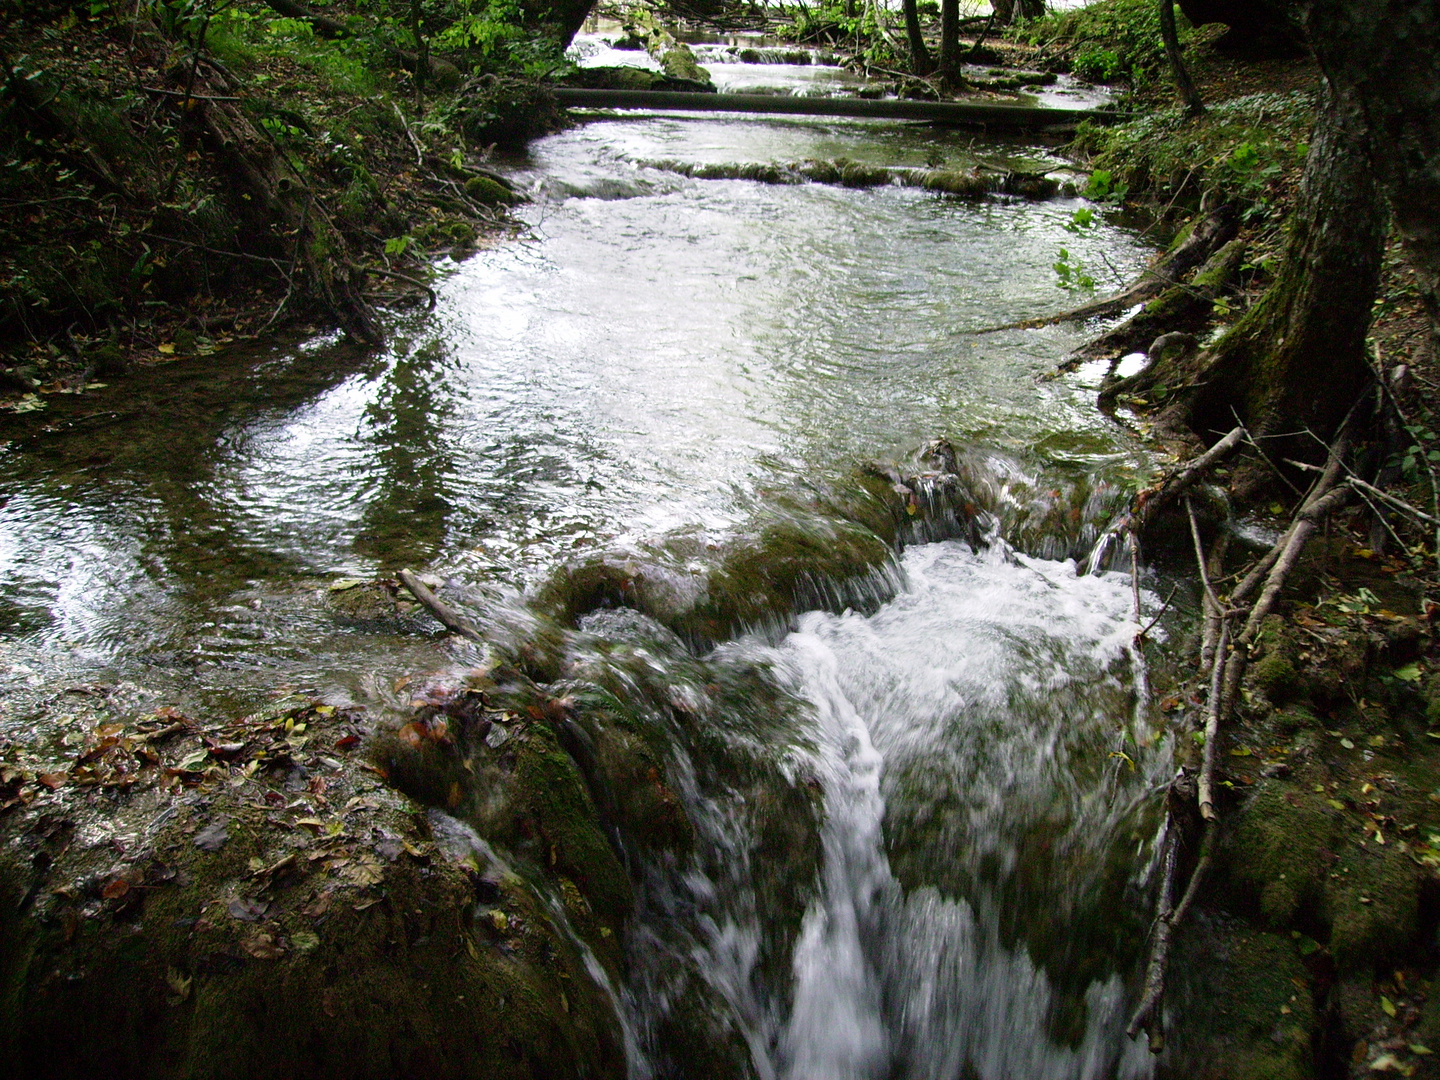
(980, 697)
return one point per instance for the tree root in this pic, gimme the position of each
(282, 204)
(1189, 307)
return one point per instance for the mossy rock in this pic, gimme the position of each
(489, 192)
(679, 63)
(561, 819)
(1279, 847)
(1241, 1007)
(1276, 676)
(460, 233)
(1372, 903)
(256, 930)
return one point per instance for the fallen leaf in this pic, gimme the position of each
(1390, 1063)
(166, 347)
(116, 889)
(1347, 744)
(264, 947)
(247, 910)
(1387, 1005)
(53, 780)
(179, 983)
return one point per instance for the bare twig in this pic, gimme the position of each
(414, 143)
(1151, 502)
(1205, 786)
(451, 618)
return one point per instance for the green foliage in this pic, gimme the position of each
(1103, 187)
(1098, 65)
(1107, 40)
(1071, 274)
(1247, 148)
(828, 23)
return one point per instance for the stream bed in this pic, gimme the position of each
(661, 366)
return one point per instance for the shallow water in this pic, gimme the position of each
(661, 357)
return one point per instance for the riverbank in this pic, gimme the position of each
(175, 184)
(1311, 948)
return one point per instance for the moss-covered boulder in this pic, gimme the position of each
(1279, 849)
(250, 900)
(1372, 904)
(1246, 1007)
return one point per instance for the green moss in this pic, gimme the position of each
(680, 63)
(562, 821)
(1277, 850)
(1252, 1017)
(484, 190)
(352, 963)
(1372, 902)
(1276, 676)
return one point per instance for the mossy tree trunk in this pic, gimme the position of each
(1382, 59)
(920, 62)
(1186, 85)
(950, 38)
(1295, 362)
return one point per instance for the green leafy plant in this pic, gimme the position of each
(1071, 274)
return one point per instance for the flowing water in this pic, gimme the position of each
(664, 359)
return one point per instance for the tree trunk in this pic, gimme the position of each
(920, 62)
(1010, 11)
(1296, 361)
(1188, 94)
(1382, 59)
(950, 38)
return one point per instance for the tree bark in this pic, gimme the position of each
(1382, 60)
(1296, 361)
(920, 62)
(1188, 94)
(950, 38)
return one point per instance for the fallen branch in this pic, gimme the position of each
(1227, 669)
(1144, 1017)
(1152, 502)
(452, 619)
(1217, 229)
(395, 274)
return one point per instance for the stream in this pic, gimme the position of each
(661, 365)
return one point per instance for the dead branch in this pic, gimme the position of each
(1227, 668)
(1156, 499)
(452, 619)
(1214, 231)
(1144, 1018)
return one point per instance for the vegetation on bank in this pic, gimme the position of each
(175, 175)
